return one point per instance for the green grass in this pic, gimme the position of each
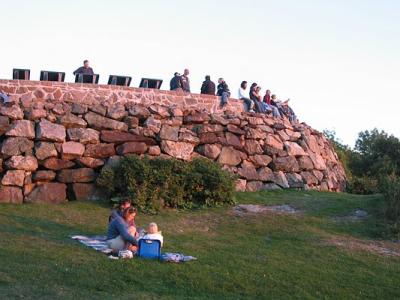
(258, 257)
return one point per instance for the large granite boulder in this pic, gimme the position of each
(50, 192)
(45, 150)
(286, 164)
(180, 150)
(76, 175)
(99, 122)
(72, 150)
(229, 156)
(22, 128)
(48, 131)
(132, 147)
(19, 162)
(14, 177)
(83, 135)
(16, 146)
(11, 194)
(99, 150)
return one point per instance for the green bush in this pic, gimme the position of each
(390, 188)
(362, 185)
(208, 184)
(156, 183)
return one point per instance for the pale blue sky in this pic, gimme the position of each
(338, 61)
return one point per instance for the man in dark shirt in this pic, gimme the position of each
(175, 82)
(185, 81)
(208, 86)
(85, 69)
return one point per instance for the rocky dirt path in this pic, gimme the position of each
(348, 243)
(243, 209)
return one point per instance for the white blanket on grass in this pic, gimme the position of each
(97, 242)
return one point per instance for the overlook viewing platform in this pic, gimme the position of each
(91, 94)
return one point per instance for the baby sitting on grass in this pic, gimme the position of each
(152, 233)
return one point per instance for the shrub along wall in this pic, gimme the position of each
(156, 183)
(52, 150)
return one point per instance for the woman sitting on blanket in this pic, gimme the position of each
(120, 234)
(117, 212)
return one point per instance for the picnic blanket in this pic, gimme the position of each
(176, 257)
(99, 243)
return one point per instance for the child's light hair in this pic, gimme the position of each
(153, 225)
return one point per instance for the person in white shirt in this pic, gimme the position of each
(249, 104)
(152, 233)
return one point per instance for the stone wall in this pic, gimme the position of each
(90, 94)
(56, 137)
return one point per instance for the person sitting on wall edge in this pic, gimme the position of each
(268, 103)
(208, 87)
(223, 92)
(248, 103)
(256, 98)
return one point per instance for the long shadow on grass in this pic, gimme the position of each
(40, 227)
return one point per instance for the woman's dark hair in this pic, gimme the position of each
(129, 211)
(253, 84)
(125, 201)
(243, 84)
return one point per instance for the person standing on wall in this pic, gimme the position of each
(208, 87)
(175, 82)
(223, 92)
(85, 69)
(185, 81)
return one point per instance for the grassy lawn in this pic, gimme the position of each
(264, 256)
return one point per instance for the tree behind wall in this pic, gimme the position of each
(374, 166)
(376, 154)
